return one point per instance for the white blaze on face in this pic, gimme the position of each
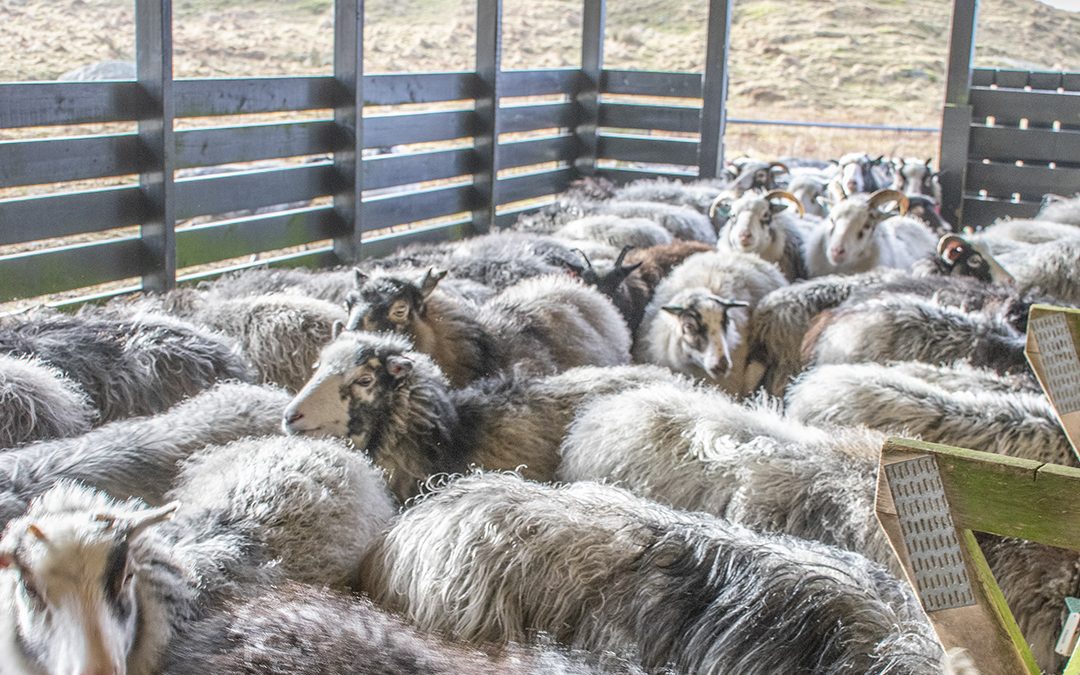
(321, 408)
(851, 230)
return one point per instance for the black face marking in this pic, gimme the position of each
(116, 580)
(372, 304)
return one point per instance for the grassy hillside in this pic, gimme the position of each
(843, 60)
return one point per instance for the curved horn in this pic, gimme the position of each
(887, 195)
(779, 165)
(622, 255)
(588, 263)
(720, 198)
(784, 194)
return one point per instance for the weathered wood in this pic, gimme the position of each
(349, 125)
(55, 160)
(249, 95)
(539, 82)
(651, 83)
(385, 171)
(409, 207)
(36, 104)
(714, 90)
(1030, 182)
(70, 213)
(536, 184)
(1041, 363)
(536, 150)
(382, 131)
(642, 116)
(1039, 108)
(245, 190)
(224, 145)
(983, 211)
(404, 88)
(227, 239)
(648, 149)
(516, 118)
(54, 270)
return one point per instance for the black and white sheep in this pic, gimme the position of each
(90, 584)
(916, 177)
(698, 322)
(496, 558)
(138, 457)
(395, 404)
(133, 366)
(757, 224)
(38, 401)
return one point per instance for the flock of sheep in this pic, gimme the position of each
(637, 432)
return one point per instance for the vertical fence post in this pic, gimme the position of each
(714, 90)
(349, 117)
(486, 143)
(589, 82)
(956, 113)
(154, 69)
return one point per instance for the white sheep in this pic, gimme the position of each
(38, 401)
(858, 236)
(698, 321)
(615, 231)
(757, 224)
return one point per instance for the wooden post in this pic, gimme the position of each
(154, 70)
(486, 143)
(349, 116)
(588, 93)
(714, 90)
(956, 113)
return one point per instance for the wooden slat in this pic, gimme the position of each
(980, 212)
(397, 209)
(648, 149)
(622, 176)
(62, 269)
(34, 104)
(386, 171)
(529, 185)
(377, 247)
(637, 116)
(982, 77)
(507, 216)
(54, 160)
(517, 118)
(224, 145)
(246, 190)
(539, 82)
(322, 256)
(244, 236)
(403, 129)
(1009, 106)
(247, 95)
(1036, 145)
(537, 150)
(399, 88)
(651, 83)
(1031, 182)
(1018, 79)
(65, 214)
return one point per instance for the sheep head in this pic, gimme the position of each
(749, 229)
(915, 177)
(73, 579)
(390, 304)
(856, 173)
(961, 257)
(709, 330)
(852, 223)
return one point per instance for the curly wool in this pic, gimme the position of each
(496, 558)
(616, 231)
(38, 402)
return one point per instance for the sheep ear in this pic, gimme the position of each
(674, 310)
(147, 518)
(725, 302)
(35, 531)
(398, 366)
(359, 278)
(777, 207)
(337, 329)
(431, 280)
(928, 160)
(7, 560)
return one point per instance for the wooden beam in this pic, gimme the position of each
(348, 115)
(714, 90)
(593, 24)
(489, 15)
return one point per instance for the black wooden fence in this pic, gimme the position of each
(483, 182)
(1008, 136)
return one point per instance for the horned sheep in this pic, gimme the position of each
(38, 401)
(757, 224)
(698, 322)
(494, 558)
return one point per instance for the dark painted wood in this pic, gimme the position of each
(623, 176)
(403, 88)
(1040, 108)
(386, 171)
(349, 123)
(531, 185)
(62, 269)
(587, 98)
(70, 213)
(644, 116)
(648, 149)
(1030, 182)
(36, 104)
(1038, 145)
(537, 150)
(223, 145)
(55, 160)
(651, 83)
(714, 90)
(248, 95)
(530, 117)
(244, 236)
(489, 17)
(377, 247)
(422, 127)
(538, 82)
(980, 212)
(410, 207)
(246, 190)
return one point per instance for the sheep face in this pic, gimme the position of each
(913, 177)
(852, 223)
(749, 228)
(351, 390)
(73, 583)
(708, 331)
(389, 304)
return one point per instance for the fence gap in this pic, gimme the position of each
(593, 23)
(714, 90)
(489, 19)
(154, 70)
(349, 117)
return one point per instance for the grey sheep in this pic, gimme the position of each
(303, 630)
(330, 285)
(38, 401)
(682, 222)
(119, 580)
(698, 321)
(138, 457)
(1051, 268)
(696, 194)
(540, 325)
(133, 366)
(494, 558)
(615, 231)
(397, 406)
(1060, 209)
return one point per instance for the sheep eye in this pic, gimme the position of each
(364, 381)
(975, 261)
(32, 594)
(861, 233)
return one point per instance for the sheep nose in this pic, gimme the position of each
(838, 251)
(744, 239)
(293, 417)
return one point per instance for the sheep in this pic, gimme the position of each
(914, 177)
(682, 222)
(303, 630)
(900, 327)
(329, 285)
(134, 366)
(759, 225)
(496, 558)
(856, 173)
(697, 195)
(503, 259)
(1013, 234)
(540, 325)
(858, 236)
(138, 457)
(698, 451)
(928, 211)
(397, 406)
(90, 584)
(1052, 269)
(1060, 209)
(974, 410)
(280, 334)
(38, 402)
(616, 231)
(810, 190)
(751, 175)
(698, 321)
